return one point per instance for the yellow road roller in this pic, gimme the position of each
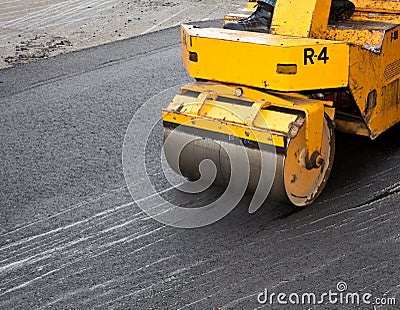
(287, 90)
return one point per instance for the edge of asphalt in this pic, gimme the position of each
(25, 76)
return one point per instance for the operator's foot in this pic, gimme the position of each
(259, 21)
(341, 9)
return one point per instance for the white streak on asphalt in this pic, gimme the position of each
(31, 259)
(67, 295)
(340, 213)
(234, 303)
(63, 228)
(37, 14)
(71, 208)
(194, 302)
(45, 254)
(53, 12)
(162, 22)
(40, 256)
(29, 282)
(59, 15)
(100, 214)
(148, 245)
(155, 263)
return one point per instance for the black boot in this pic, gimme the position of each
(259, 21)
(341, 9)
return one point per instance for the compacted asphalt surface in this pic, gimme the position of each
(71, 235)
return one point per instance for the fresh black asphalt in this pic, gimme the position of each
(71, 236)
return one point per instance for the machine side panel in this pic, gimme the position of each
(374, 83)
(265, 61)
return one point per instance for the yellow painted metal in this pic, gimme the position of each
(239, 115)
(309, 18)
(229, 129)
(373, 34)
(290, 122)
(374, 83)
(369, 65)
(260, 85)
(352, 125)
(228, 56)
(384, 6)
(314, 115)
(366, 10)
(249, 115)
(379, 17)
(251, 4)
(303, 185)
(350, 32)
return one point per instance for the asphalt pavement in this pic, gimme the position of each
(72, 237)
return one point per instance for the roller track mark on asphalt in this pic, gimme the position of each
(155, 263)
(186, 306)
(41, 256)
(68, 295)
(109, 63)
(6, 10)
(361, 183)
(31, 260)
(205, 285)
(345, 222)
(234, 303)
(131, 294)
(66, 18)
(188, 16)
(335, 227)
(16, 1)
(395, 290)
(68, 257)
(366, 233)
(293, 278)
(386, 217)
(72, 12)
(171, 277)
(149, 245)
(67, 245)
(74, 207)
(85, 221)
(31, 281)
(357, 208)
(255, 240)
(27, 283)
(204, 17)
(37, 14)
(63, 228)
(68, 209)
(164, 21)
(227, 290)
(378, 270)
(307, 219)
(99, 253)
(64, 9)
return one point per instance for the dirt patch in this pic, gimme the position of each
(38, 47)
(42, 29)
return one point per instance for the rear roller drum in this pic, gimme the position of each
(293, 181)
(302, 185)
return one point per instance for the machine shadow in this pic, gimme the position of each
(356, 159)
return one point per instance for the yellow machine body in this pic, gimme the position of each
(273, 62)
(287, 88)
